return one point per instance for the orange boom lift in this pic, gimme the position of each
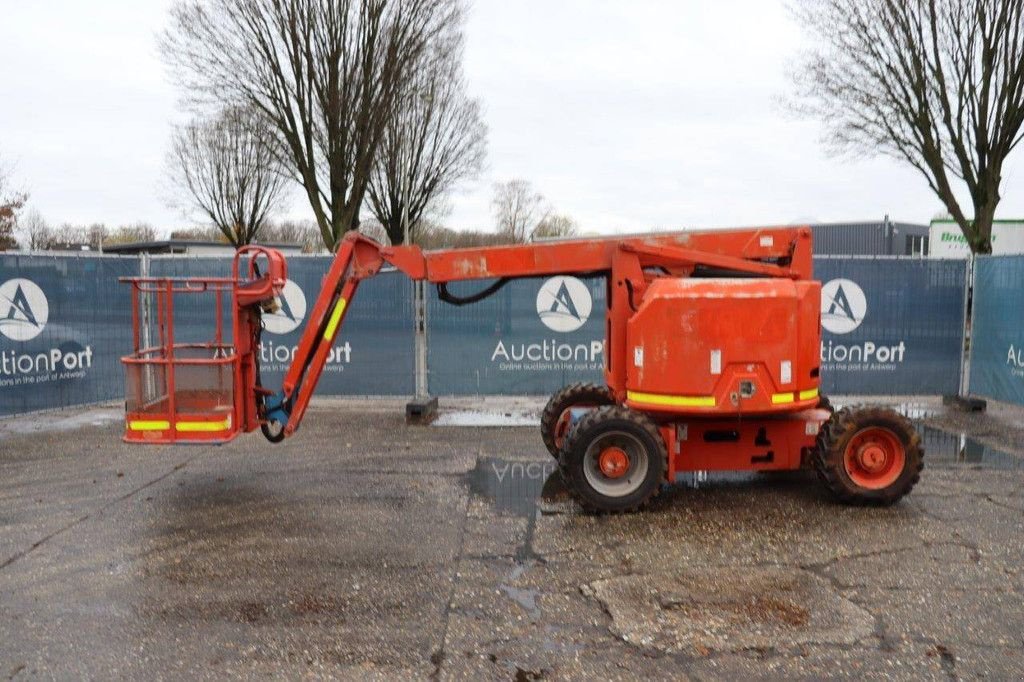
(712, 361)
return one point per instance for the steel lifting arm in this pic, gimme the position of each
(630, 263)
(358, 258)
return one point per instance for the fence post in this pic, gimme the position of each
(145, 303)
(422, 408)
(963, 399)
(420, 303)
(965, 354)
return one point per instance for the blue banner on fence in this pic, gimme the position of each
(373, 354)
(531, 338)
(65, 322)
(891, 327)
(997, 334)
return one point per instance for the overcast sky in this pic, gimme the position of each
(625, 115)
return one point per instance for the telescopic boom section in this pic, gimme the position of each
(630, 264)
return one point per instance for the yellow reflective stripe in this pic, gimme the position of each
(671, 400)
(142, 425)
(203, 426)
(782, 398)
(332, 324)
(808, 394)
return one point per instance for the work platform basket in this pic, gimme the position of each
(191, 374)
(181, 390)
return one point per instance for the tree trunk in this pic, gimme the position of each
(984, 215)
(394, 228)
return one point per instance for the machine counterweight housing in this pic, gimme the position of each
(747, 346)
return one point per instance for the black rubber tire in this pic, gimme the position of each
(833, 438)
(573, 395)
(825, 404)
(594, 424)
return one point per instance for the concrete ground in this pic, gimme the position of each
(364, 548)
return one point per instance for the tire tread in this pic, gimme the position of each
(579, 393)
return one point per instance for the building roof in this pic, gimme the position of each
(170, 245)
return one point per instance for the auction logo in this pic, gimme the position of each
(1015, 359)
(24, 309)
(291, 308)
(843, 306)
(564, 304)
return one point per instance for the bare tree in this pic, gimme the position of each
(11, 203)
(375, 230)
(34, 233)
(938, 84)
(96, 235)
(306, 233)
(134, 232)
(228, 170)
(326, 74)
(68, 236)
(518, 209)
(437, 237)
(435, 139)
(208, 233)
(554, 226)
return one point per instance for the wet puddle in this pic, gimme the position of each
(525, 598)
(518, 488)
(943, 448)
(486, 418)
(526, 488)
(511, 486)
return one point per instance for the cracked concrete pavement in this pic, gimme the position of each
(364, 548)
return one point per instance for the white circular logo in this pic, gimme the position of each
(843, 306)
(291, 308)
(564, 303)
(23, 309)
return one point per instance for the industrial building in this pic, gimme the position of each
(871, 238)
(947, 240)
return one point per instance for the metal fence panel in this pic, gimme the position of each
(997, 338)
(65, 322)
(373, 353)
(891, 326)
(530, 338)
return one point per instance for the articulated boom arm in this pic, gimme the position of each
(630, 264)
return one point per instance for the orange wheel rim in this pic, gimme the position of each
(562, 428)
(874, 458)
(613, 462)
(562, 425)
